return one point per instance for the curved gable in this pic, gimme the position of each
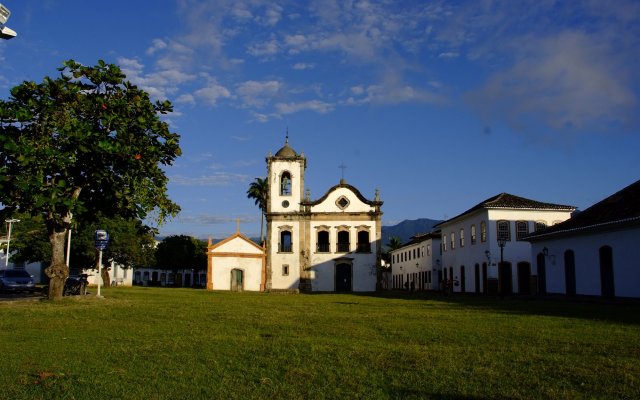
(343, 198)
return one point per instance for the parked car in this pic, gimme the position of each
(16, 280)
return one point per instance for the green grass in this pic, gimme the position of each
(154, 343)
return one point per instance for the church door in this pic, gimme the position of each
(343, 278)
(237, 282)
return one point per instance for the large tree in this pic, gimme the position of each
(258, 191)
(85, 143)
(181, 252)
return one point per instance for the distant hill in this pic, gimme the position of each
(407, 228)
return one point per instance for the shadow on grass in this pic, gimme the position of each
(625, 311)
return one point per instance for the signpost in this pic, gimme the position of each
(102, 241)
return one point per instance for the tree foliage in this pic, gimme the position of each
(181, 252)
(259, 192)
(85, 143)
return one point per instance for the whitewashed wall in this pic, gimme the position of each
(626, 253)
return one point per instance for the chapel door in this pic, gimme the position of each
(237, 280)
(343, 278)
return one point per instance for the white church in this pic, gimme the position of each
(332, 244)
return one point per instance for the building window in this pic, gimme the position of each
(522, 229)
(342, 202)
(285, 184)
(473, 234)
(285, 270)
(483, 231)
(323, 242)
(285, 242)
(504, 232)
(453, 241)
(461, 237)
(443, 245)
(540, 225)
(364, 245)
(343, 241)
(428, 250)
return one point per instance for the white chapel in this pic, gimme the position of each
(329, 244)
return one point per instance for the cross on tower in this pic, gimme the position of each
(342, 167)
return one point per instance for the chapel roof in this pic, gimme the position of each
(621, 209)
(511, 202)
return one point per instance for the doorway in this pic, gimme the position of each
(506, 287)
(524, 278)
(343, 277)
(237, 280)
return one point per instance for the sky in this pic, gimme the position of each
(437, 104)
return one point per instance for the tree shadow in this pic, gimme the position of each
(619, 310)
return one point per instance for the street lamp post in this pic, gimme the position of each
(502, 241)
(10, 222)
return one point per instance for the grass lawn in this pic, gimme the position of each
(155, 343)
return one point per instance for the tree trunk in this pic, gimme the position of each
(262, 229)
(106, 280)
(57, 271)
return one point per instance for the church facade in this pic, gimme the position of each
(329, 244)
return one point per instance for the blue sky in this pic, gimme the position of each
(438, 104)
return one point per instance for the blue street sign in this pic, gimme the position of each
(101, 239)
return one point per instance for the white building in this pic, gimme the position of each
(328, 244)
(471, 253)
(118, 274)
(236, 263)
(417, 264)
(594, 253)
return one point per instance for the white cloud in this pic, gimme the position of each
(156, 44)
(211, 93)
(570, 81)
(256, 94)
(311, 105)
(266, 48)
(186, 99)
(303, 66)
(218, 179)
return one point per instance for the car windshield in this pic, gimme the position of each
(16, 273)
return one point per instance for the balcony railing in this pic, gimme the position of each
(364, 248)
(285, 248)
(343, 247)
(323, 247)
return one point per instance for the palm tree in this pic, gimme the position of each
(258, 191)
(394, 243)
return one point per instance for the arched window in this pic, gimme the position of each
(522, 229)
(285, 242)
(285, 184)
(323, 241)
(462, 237)
(343, 241)
(473, 234)
(540, 225)
(364, 245)
(483, 231)
(504, 233)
